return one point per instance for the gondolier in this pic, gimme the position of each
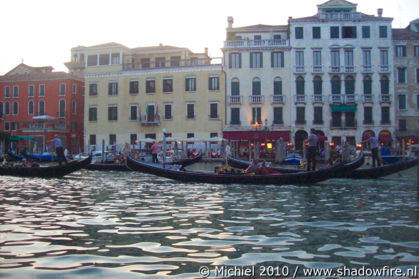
(374, 150)
(59, 149)
(313, 140)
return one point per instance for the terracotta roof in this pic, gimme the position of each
(404, 34)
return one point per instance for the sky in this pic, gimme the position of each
(42, 32)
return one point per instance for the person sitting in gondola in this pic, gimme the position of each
(252, 168)
(264, 169)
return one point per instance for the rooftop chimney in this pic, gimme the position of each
(380, 12)
(206, 51)
(230, 21)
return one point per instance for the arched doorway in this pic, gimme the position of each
(300, 136)
(385, 138)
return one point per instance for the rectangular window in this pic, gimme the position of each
(15, 126)
(416, 51)
(113, 88)
(235, 88)
(133, 87)
(299, 58)
(384, 57)
(15, 91)
(402, 125)
(367, 115)
(318, 115)
(6, 108)
(385, 115)
(92, 139)
(42, 90)
(256, 90)
(317, 58)
(133, 139)
(256, 115)
(277, 87)
(277, 59)
(301, 115)
(150, 86)
(31, 90)
(401, 75)
(74, 107)
(7, 92)
(15, 108)
(349, 58)
(133, 112)
(335, 59)
(336, 119)
(190, 111)
(366, 57)
(175, 61)
(160, 62)
(167, 85)
(104, 59)
(112, 113)
(257, 37)
(278, 117)
(349, 32)
(150, 112)
(235, 116)
(167, 111)
(145, 63)
(93, 89)
(62, 89)
(401, 51)
(383, 31)
(115, 59)
(299, 33)
(350, 119)
(190, 84)
(366, 32)
(277, 37)
(334, 32)
(316, 32)
(6, 126)
(213, 111)
(213, 83)
(402, 102)
(112, 139)
(92, 113)
(30, 108)
(92, 60)
(235, 60)
(256, 60)
(417, 75)
(417, 101)
(74, 88)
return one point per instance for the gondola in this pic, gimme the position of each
(15, 156)
(41, 158)
(243, 164)
(119, 167)
(309, 177)
(46, 172)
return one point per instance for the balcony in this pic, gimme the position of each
(384, 68)
(39, 127)
(318, 69)
(367, 69)
(367, 98)
(339, 16)
(150, 120)
(277, 99)
(385, 98)
(334, 124)
(349, 69)
(234, 44)
(300, 69)
(317, 99)
(193, 62)
(335, 69)
(300, 99)
(351, 98)
(256, 99)
(336, 99)
(235, 100)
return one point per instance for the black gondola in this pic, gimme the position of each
(360, 173)
(46, 172)
(119, 167)
(309, 177)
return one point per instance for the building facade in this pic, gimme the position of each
(39, 103)
(135, 93)
(406, 71)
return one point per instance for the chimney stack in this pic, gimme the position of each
(206, 51)
(380, 12)
(230, 21)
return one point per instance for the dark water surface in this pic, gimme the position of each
(132, 225)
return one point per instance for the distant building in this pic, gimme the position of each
(134, 93)
(37, 103)
(406, 71)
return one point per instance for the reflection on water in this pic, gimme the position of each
(93, 224)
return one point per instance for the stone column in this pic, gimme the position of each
(326, 151)
(257, 150)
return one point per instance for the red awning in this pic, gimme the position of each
(257, 135)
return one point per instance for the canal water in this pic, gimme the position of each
(133, 225)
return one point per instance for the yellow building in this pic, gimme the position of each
(133, 94)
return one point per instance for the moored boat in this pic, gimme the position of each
(42, 157)
(46, 172)
(243, 164)
(308, 177)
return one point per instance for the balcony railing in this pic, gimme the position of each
(339, 16)
(171, 63)
(150, 120)
(317, 99)
(351, 98)
(343, 125)
(318, 69)
(299, 68)
(277, 99)
(349, 69)
(385, 98)
(335, 69)
(300, 99)
(368, 98)
(384, 68)
(367, 69)
(256, 99)
(255, 43)
(336, 99)
(235, 100)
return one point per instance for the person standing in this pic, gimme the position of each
(313, 140)
(154, 152)
(374, 150)
(59, 149)
(227, 152)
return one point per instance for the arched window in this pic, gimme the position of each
(317, 85)
(256, 88)
(384, 85)
(235, 86)
(74, 107)
(41, 108)
(62, 108)
(6, 108)
(277, 86)
(1, 109)
(349, 85)
(335, 85)
(15, 108)
(367, 85)
(299, 84)
(30, 107)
